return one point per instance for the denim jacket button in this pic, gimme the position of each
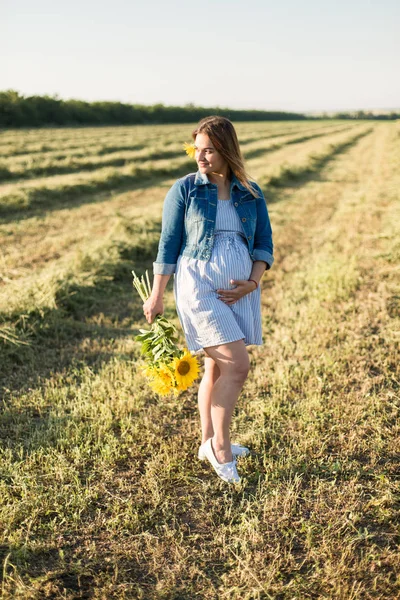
(244, 220)
(236, 204)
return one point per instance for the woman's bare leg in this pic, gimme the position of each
(211, 374)
(233, 362)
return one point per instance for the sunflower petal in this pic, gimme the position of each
(189, 149)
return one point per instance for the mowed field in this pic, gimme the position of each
(101, 492)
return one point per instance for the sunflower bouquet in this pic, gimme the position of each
(167, 368)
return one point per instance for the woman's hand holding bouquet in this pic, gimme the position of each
(168, 368)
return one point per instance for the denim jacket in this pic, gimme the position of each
(188, 221)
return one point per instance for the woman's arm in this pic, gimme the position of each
(173, 217)
(172, 230)
(259, 266)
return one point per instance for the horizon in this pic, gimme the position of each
(381, 110)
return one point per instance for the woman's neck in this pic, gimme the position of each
(220, 179)
(224, 187)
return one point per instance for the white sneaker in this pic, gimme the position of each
(237, 450)
(226, 471)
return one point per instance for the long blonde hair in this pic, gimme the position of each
(223, 135)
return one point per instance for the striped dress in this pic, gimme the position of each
(206, 320)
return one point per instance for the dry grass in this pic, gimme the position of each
(101, 492)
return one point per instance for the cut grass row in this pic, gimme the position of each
(40, 166)
(53, 307)
(51, 194)
(26, 200)
(45, 168)
(16, 142)
(32, 246)
(137, 140)
(289, 173)
(260, 148)
(103, 140)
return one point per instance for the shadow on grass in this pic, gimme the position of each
(69, 570)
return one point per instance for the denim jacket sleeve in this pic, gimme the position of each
(172, 230)
(263, 245)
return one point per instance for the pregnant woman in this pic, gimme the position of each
(216, 239)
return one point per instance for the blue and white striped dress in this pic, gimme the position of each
(206, 320)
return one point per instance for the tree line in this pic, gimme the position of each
(17, 110)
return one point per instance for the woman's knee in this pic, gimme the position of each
(239, 371)
(231, 360)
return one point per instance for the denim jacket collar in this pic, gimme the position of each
(202, 179)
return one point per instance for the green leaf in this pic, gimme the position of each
(158, 354)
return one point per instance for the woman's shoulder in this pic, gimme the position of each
(182, 186)
(255, 187)
(185, 183)
(185, 180)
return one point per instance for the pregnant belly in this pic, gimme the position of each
(230, 259)
(195, 279)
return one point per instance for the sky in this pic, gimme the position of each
(306, 56)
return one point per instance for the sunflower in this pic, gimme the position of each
(163, 381)
(186, 370)
(189, 149)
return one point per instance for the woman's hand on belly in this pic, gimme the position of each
(242, 288)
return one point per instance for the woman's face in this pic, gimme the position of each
(209, 160)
